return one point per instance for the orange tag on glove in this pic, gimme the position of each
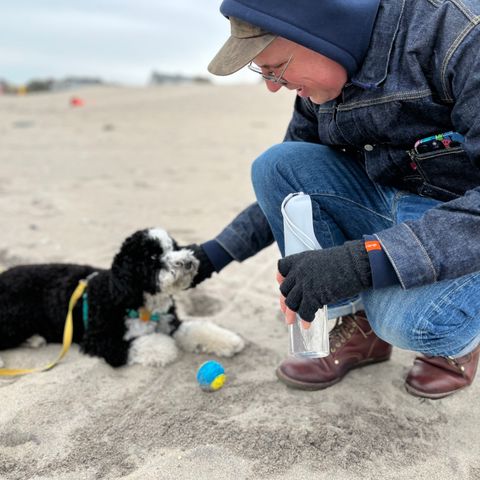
(372, 245)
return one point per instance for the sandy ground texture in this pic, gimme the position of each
(74, 182)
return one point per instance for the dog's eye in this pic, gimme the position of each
(154, 257)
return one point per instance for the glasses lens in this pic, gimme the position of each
(271, 77)
(267, 76)
(255, 69)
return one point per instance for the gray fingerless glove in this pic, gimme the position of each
(319, 277)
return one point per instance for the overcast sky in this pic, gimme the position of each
(118, 40)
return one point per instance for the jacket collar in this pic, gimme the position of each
(374, 69)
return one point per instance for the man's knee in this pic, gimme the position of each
(445, 332)
(425, 329)
(265, 169)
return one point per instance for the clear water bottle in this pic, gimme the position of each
(299, 237)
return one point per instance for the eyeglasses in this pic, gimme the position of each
(270, 76)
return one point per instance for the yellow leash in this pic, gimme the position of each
(67, 337)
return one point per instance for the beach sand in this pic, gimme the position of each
(74, 182)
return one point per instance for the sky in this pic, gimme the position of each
(118, 40)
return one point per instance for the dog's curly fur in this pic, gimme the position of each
(146, 271)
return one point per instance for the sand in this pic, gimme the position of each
(74, 182)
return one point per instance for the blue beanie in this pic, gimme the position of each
(338, 29)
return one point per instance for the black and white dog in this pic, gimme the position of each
(128, 315)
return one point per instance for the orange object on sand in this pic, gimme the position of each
(77, 102)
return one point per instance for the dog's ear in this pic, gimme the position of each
(128, 269)
(135, 267)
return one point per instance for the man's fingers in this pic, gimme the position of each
(283, 307)
(286, 287)
(284, 265)
(306, 325)
(290, 316)
(280, 278)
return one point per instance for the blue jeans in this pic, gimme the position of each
(440, 319)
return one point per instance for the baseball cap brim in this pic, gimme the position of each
(238, 52)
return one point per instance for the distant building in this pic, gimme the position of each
(5, 87)
(70, 83)
(48, 84)
(175, 79)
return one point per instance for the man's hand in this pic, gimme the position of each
(290, 315)
(315, 278)
(205, 269)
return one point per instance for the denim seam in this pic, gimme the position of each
(325, 194)
(422, 249)
(356, 125)
(384, 199)
(395, 202)
(435, 3)
(438, 153)
(314, 108)
(473, 23)
(464, 9)
(325, 110)
(396, 96)
(309, 106)
(435, 307)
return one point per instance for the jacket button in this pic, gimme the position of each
(368, 147)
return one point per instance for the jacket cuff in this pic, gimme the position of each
(383, 273)
(217, 255)
(408, 256)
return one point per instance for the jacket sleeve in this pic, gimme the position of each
(303, 126)
(247, 234)
(445, 242)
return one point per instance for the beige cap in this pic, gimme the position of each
(245, 43)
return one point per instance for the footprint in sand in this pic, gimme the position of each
(15, 439)
(199, 304)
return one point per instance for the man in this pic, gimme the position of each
(398, 219)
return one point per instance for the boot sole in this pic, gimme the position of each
(431, 396)
(299, 385)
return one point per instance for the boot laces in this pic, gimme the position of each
(343, 330)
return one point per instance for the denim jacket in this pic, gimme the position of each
(420, 77)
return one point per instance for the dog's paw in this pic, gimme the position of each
(155, 350)
(35, 341)
(206, 337)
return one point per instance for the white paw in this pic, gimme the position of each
(155, 350)
(35, 341)
(206, 337)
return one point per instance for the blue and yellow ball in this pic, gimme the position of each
(211, 376)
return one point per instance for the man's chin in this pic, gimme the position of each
(320, 97)
(313, 98)
(318, 100)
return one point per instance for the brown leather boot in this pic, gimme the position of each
(352, 344)
(437, 377)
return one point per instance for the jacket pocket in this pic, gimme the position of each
(444, 174)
